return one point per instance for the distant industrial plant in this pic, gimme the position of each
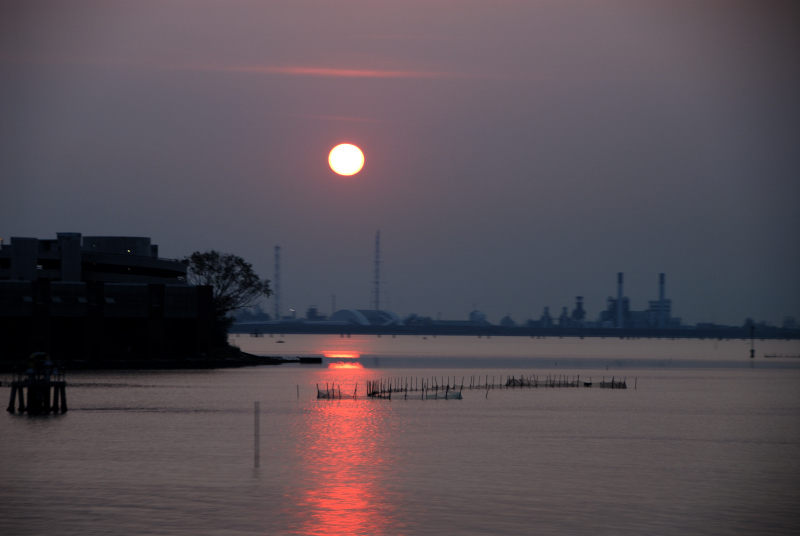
(617, 317)
(101, 297)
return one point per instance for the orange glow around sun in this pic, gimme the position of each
(346, 366)
(341, 355)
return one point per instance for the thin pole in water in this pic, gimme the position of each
(298, 390)
(256, 433)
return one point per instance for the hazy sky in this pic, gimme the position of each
(517, 153)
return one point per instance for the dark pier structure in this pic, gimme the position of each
(40, 379)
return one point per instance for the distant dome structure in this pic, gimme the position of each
(367, 317)
(507, 322)
(478, 318)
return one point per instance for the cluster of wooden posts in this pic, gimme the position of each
(38, 399)
(40, 378)
(558, 380)
(331, 392)
(447, 388)
(429, 388)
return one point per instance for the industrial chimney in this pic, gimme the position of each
(377, 303)
(661, 303)
(277, 283)
(619, 300)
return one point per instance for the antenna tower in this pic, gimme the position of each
(277, 282)
(377, 271)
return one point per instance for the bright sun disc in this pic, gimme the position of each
(346, 159)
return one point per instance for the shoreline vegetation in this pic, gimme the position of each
(233, 357)
(216, 359)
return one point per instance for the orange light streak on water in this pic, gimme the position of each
(346, 463)
(346, 366)
(341, 355)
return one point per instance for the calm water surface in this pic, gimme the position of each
(691, 450)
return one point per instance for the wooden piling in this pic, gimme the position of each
(256, 433)
(10, 407)
(56, 392)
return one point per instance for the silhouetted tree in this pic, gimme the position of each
(235, 285)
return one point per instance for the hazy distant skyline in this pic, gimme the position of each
(518, 154)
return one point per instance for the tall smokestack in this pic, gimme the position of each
(377, 270)
(277, 276)
(661, 303)
(619, 299)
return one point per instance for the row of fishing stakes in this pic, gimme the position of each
(430, 388)
(39, 379)
(383, 388)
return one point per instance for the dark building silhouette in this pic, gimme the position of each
(545, 321)
(99, 299)
(366, 317)
(578, 314)
(507, 322)
(313, 315)
(564, 319)
(618, 313)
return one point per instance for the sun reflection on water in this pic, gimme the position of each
(341, 355)
(347, 463)
(346, 366)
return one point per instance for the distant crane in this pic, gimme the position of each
(277, 282)
(377, 291)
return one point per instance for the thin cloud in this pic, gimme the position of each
(283, 70)
(288, 70)
(319, 71)
(338, 118)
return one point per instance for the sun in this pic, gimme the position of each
(346, 159)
